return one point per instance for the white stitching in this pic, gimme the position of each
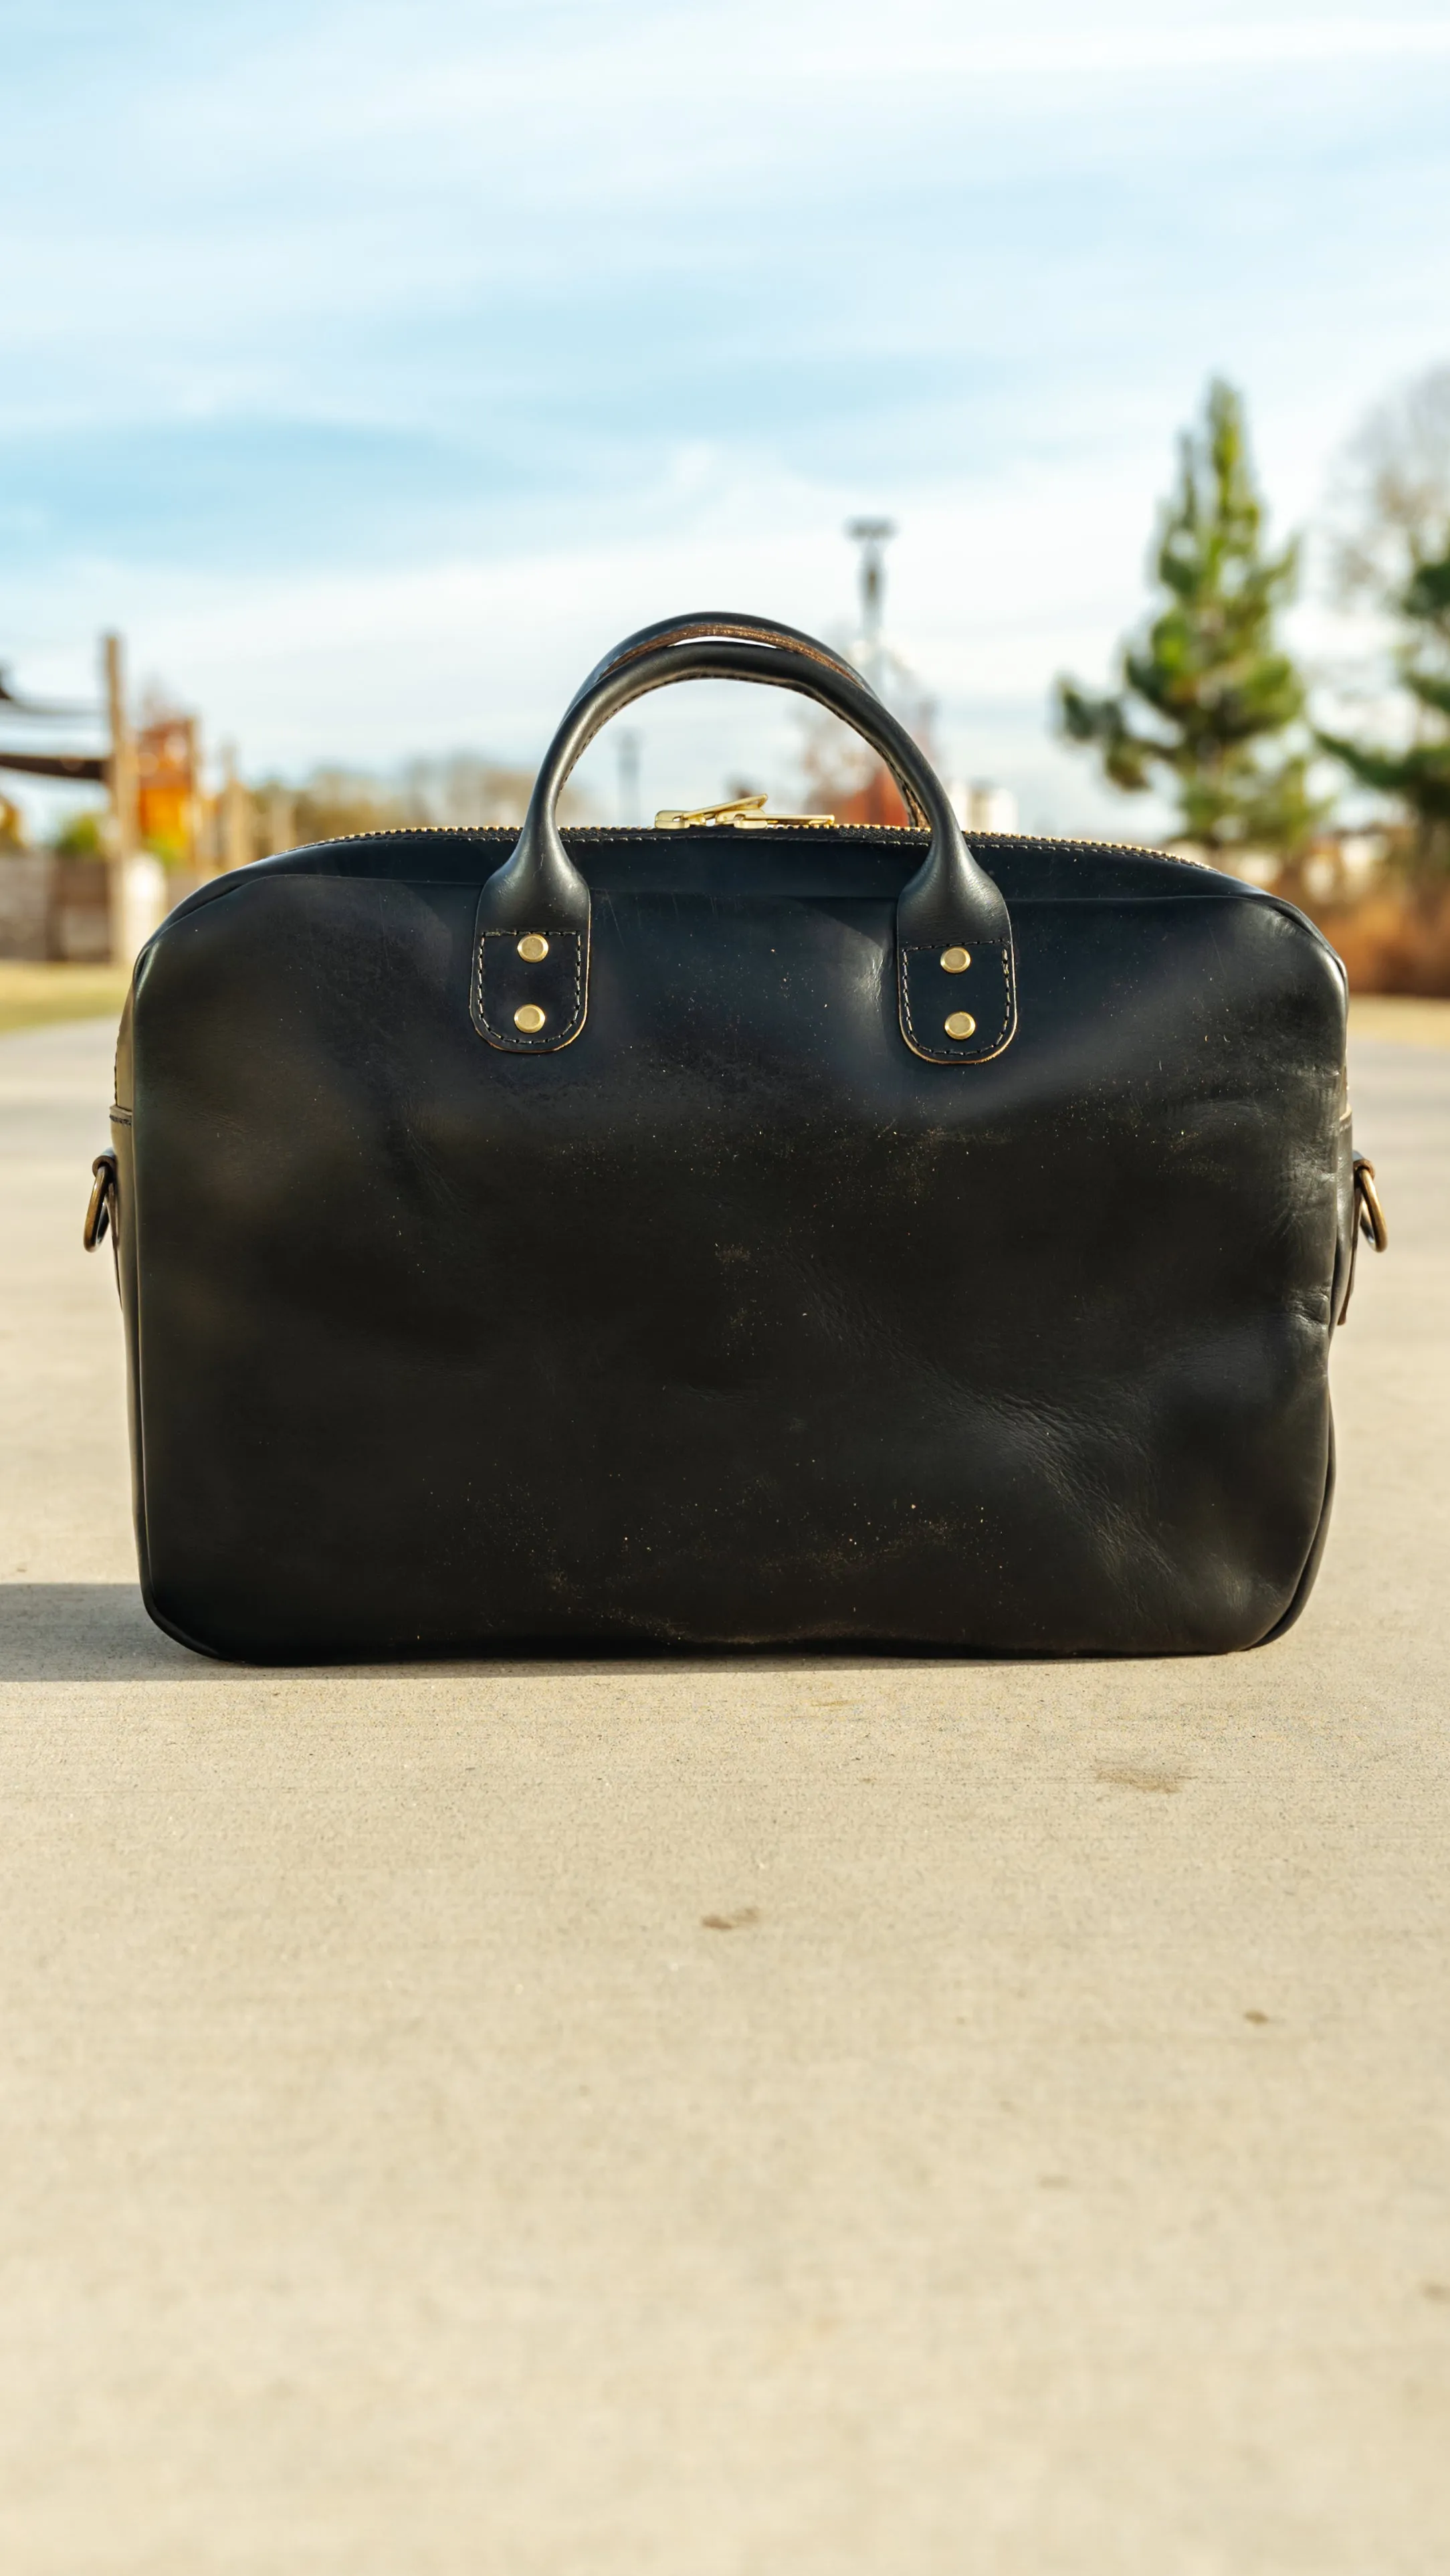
(547, 1038)
(978, 1054)
(542, 1043)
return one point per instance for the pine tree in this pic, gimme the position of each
(1419, 775)
(1211, 687)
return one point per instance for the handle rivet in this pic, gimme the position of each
(961, 1025)
(956, 960)
(530, 1019)
(533, 947)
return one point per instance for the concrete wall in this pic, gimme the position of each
(25, 902)
(59, 908)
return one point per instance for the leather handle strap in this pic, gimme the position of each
(956, 977)
(758, 656)
(724, 625)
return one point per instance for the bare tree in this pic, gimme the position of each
(1392, 535)
(1389, 505)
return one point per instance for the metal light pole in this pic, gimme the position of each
(872, 536)
(628, 744)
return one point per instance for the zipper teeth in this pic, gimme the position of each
(641, 832)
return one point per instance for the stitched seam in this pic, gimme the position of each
(545, 1040)
(1005, 956)
(906, 955)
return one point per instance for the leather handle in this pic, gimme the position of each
(956, 977)
(726, 625)
(767, 655)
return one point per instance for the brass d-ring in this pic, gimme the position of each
(1371, 1215)
(98, 1214)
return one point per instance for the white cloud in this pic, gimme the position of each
(670, 292)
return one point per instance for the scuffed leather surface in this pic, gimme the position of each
(740, 1324)
(1346, 1221)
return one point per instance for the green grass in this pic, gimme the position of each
(31, 995)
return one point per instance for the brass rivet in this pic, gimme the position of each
(529, 1018)
(961, 1025)
(956, 960)
(532, 947)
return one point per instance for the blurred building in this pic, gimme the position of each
(982, 807)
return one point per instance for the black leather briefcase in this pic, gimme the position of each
(729, 1236)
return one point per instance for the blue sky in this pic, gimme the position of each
(375, 366)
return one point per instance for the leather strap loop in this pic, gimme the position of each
(950, 904)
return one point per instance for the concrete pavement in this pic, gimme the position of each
(872, 2119)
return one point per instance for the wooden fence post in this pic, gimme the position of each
(238, 848)
(121, 779)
